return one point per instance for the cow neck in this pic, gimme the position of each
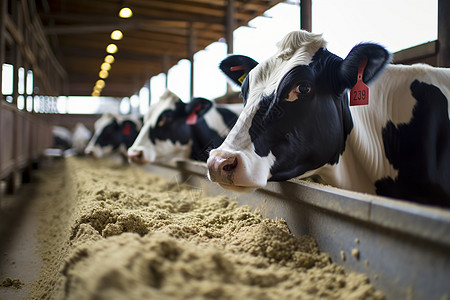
(364, 157)
(327, 66)
(361, 162)
(204, 139)
(356, 156)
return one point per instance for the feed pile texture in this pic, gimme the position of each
(112, 231)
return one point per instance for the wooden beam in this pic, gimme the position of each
(443, 59)
(154, 17)
(180, 7)
(416, 53)
(96, 28)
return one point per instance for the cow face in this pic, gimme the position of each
(296, 116)
(112, 134)
(167, 131)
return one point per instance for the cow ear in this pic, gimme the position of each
(196, 109)
(115, 122)
(237, 67)
(377, 59)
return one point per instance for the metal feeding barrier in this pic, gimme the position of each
(403, 247)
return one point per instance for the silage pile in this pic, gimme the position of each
(116, 232)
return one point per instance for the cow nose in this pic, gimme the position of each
(136, 157)
(221, 168)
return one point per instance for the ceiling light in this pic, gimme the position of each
(125, 12)
(105, 66)
(103, 74)
(109, 59)
(111, 48)
(116, 35)
(100, 83)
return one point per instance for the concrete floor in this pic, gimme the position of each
(18, 257)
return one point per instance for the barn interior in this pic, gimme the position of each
(69, 49)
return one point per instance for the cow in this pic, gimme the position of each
(174, 129)
(297, 121)
(81, 137)
(113, 134)
(62, 138)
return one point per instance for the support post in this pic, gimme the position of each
(305, 15)
(443, 59)
(165, 67)
(191, 51)
(230, 24)
(3, 8)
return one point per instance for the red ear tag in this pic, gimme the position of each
(126, 130)
(237, 68)
(359, 94)
(192, 118)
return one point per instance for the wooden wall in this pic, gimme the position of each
(24, 134)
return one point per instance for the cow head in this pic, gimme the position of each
(296, 116)
(167, 130)
(112, 133)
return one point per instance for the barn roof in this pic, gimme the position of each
(156, 37)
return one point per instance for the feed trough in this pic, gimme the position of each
(89, 210)
(403, 247)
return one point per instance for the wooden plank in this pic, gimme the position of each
(7, 126)
(416, 53)
(192, 8)
(13, 29)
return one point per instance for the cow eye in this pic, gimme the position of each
(303, 88)
(161, 122)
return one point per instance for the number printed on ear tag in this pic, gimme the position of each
(359, 94)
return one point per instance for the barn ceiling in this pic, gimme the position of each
(155, 38)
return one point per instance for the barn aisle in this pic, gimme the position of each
(35, 209)
(19, 262)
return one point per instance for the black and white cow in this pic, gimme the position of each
(174, 129)
(81, 137)
(113, 134)
(297, 122)
(62, 137)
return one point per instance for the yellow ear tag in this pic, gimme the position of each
(241, 79)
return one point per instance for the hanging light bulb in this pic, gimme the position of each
(109, 59)
(103, 74)
(116, 35)
(105, 66)
(111, 48)
(100, 83)
(125, 12)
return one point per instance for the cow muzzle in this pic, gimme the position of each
(221, 169)
(238, 170)
(137, 157)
